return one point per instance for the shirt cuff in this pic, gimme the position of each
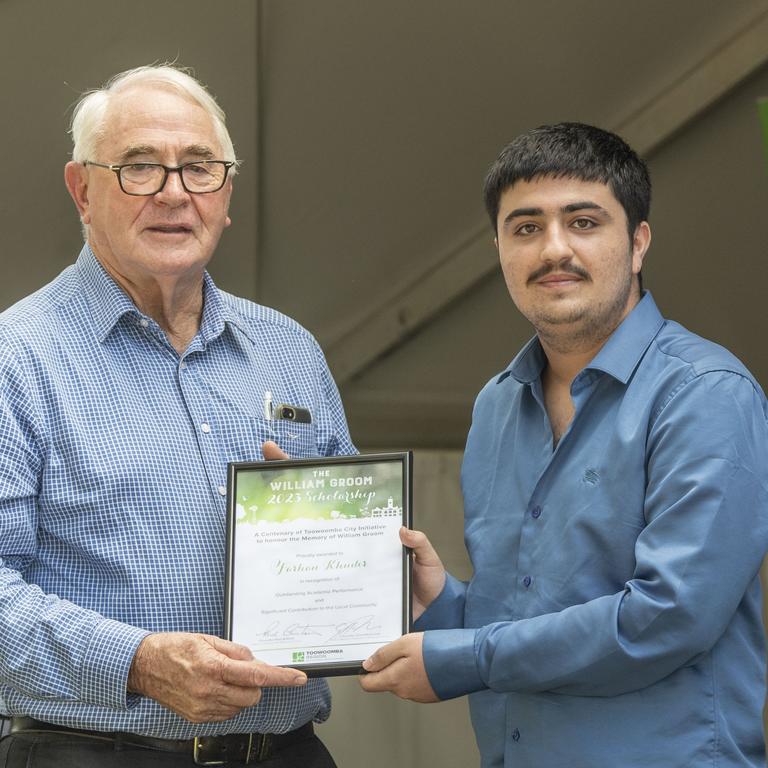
(451, 663)
(446, 611)
(107, 662)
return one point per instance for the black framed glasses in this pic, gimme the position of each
(199, 177)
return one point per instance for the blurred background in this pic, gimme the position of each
(365, 129)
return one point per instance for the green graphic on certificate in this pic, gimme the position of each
(325, 493)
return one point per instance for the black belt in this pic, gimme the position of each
(246, 748)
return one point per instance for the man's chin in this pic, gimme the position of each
(560, 317)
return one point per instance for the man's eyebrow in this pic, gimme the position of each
(582, 205)
(199, 150)
(517, 212)
(585, 205)
(135, 150)
(142, 150)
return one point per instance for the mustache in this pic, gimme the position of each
(568, 269)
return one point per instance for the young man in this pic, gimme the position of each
(126, 385)
(615, 484)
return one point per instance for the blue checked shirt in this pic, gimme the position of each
(113, 455)
(613, 619)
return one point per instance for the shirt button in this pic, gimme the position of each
(223, 490)
(183, 366)
(536, 512)
(527, 581)
(205, 427)
(144, 322)
(515, 735)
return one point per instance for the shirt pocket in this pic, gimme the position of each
(297, 439)
(243, 437)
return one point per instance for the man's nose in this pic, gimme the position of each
(173, 192)
(556, 245)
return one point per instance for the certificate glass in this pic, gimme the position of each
(317, 577)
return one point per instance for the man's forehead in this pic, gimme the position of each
(149, 90)
(556, 191)
(146, 118)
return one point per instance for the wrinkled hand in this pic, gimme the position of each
(203, 678)
(428, 570)
(398, 667)
(271, 451)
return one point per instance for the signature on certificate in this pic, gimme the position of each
(356, 627)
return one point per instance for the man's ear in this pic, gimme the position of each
(640, 244)
(229, 188)
(76, 179)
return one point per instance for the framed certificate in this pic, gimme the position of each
(317, 577)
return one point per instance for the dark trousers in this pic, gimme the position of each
(47, 749)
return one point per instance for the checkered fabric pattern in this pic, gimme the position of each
(113, 454)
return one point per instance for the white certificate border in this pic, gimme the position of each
(405, 458)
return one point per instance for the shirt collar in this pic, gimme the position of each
(215, 314)
(528, 364)
(625, 347)
(109, 302)
(618, 357)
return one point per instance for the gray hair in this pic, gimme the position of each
(89, 117)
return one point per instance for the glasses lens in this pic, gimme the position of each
(204, 177)
(141, 178)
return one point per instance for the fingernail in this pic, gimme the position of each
(300, 680)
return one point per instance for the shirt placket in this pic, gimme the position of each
(203, 422)
(536, 506)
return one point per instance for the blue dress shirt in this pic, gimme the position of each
(113, 456)
(614, 615)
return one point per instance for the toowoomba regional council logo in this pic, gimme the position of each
(322, 654)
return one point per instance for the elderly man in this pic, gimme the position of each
(126, 385)
(615, 487)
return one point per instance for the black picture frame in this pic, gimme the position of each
(261, 472)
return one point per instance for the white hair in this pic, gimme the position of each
(89, 117)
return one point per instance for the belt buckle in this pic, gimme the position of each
(197, 753)
(200, 758)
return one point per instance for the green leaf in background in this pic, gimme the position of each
(762, 106)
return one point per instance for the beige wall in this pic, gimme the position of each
(53, 51)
